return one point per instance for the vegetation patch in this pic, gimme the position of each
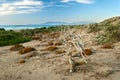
(12, 37)
(110, 34)
(93, 28)
(108, 30)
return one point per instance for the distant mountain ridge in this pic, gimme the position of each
(65, 23)
(54, 23)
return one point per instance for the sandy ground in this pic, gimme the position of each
(103, 64)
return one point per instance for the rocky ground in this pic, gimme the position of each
(103, 64)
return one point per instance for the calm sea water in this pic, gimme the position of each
(18, 27)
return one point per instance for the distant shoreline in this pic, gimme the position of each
(22, 27)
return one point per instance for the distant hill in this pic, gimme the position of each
(65, 23)
(111, 21)
(54, 23)
(110, 30)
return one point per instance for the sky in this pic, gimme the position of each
(70, 11)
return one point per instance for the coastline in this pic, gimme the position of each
(22, 27)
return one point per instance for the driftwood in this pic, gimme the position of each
(77, 43)
(72, 64)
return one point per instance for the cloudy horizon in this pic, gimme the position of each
(40, 11)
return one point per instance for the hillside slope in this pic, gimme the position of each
(109, 30)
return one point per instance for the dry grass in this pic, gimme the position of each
(50, 43)
(107, 46)
(60, 51)
(26, 50)
(55, 35)
(21, 61)
(36, 38)
(17, 47)
(80, 63)
(50, 48)
(58, 43)
(88, 51)
(74, 51)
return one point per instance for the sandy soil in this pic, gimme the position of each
(103, 64)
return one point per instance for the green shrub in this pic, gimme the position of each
(111, 34)
(94, 28)
(12, 37)
(2, 29)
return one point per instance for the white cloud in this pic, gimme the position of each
(65, 0)
(79, 1)
(21, 7)
(2, 0)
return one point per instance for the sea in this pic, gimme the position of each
(19, 27)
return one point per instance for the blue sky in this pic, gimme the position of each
(40, 11)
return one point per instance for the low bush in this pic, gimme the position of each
(110, 34)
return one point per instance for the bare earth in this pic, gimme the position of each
(103, 64)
